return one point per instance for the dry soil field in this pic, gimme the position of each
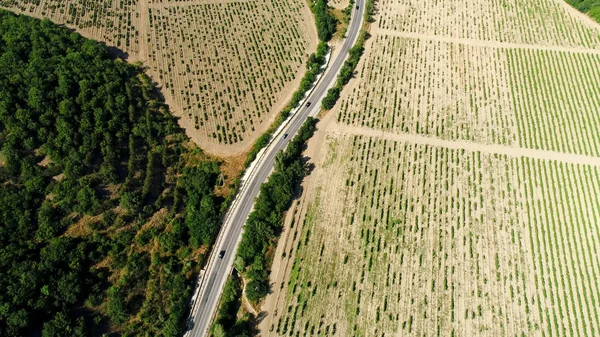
(457, 181)
(226, 67)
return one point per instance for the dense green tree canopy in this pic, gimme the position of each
(591, 7)
(92, 228)
(326, 22)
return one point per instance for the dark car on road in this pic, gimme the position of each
(356, 7)
(221, 254)
(285, 135)
(307, 104)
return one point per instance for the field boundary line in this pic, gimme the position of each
(183, 3)
(484, 43)
(510, 151)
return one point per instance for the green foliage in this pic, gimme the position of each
(116, 306)
(326, 22)
(87, 200)
(62, 325)
(265, 221)
(84, 135)
(331, 98)
(314, 68)
(595, 12)
(586, 6)
(130, 201)
(202, 210)
(369, 10)
(346, 73)
(590, 7)
(258, 287)
(230, 304)
(348, 68)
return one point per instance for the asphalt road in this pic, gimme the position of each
(212, 282)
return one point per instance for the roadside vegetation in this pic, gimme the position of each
(325, 21)
(264, 223)
(261, 231)
(343, 17)
(262, 228)
(227, 323)
(95, 173)
(347, 71)
(314, 67)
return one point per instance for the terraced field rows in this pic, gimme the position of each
(545, 22)
(113, 21)
(447, 90)
(227, 90)
(417, 240)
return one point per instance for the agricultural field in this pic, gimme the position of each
(114, 22)
(556, 100)
(443, 89)
(228, 92)
(419, 239)
(543, 22)
(456, 188)
(543, 98)
(226, 67)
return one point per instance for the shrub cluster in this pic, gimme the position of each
(326, 22)
(265, 222)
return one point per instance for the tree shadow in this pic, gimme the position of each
(116, 52)
(261, 316)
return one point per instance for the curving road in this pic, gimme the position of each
(212, 280)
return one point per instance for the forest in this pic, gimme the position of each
(106, 208)
(590, 7)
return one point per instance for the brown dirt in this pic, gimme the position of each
(231, 168)
(341, 25)
(339, 4)
(156, 220)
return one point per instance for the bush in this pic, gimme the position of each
(326, 22)
(333, 95)
(264, 223)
